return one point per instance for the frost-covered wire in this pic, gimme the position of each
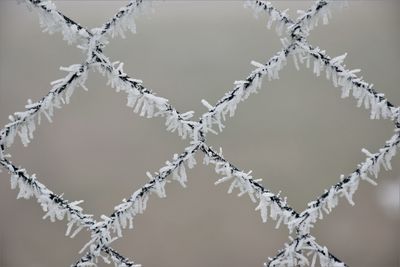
(335, 70)
(349, 184)
(139, 98)
(146, 103)
(269, 205)
(51, 20)
(143, 100)
(363, 92)
(280, 18)
(293, 254)
(55, 206)
(23, 123)
(137, 94)
(310, 18)
(243, 89)
(89, 259)
(110, 228)
(227, 103)
(124, 19)
(306, 21)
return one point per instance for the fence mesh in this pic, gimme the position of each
(303, 250)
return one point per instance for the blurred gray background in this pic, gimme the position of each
(296, 134)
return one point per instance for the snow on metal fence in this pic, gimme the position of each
(303, 249)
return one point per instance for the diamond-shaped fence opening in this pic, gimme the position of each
(284, 139)
(217, 44)
(170, 226)
(303, 248)
(90, 119)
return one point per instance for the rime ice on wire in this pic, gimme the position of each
(363, 92)
(301, 251)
